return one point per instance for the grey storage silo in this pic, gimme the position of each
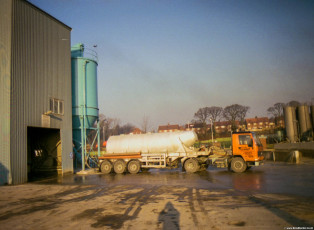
(291, 123)
(305, 122)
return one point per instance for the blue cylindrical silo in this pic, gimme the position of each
(84, 93)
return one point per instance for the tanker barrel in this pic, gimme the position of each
(152, 142)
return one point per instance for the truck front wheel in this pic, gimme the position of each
(106, 167)
(119, 166)
(191, 165)
(238, 165)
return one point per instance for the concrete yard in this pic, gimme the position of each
(273, 196)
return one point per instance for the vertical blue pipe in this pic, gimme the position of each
(98, 137)
(84, 116)
(82, 141)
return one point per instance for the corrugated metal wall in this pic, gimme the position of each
(5, 82)
(40, 69)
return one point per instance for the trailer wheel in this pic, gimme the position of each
(119, 166)
(238, 165)
(106, 167)
(191, 165)
(134, 166)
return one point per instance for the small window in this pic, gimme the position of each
(51, 104)
(61, 107)
(56, 106)
(245, 139)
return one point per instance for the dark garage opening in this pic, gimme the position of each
(43, 152)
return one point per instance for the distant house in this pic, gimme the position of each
(168, 128)
(197, 127)
(276, 122)
(257, 123)
(272, 123)
(136, 131)
(224, 126)
(280, 122)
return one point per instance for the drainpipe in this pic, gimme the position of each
(98, 137)
(82, 139)
(83, 132)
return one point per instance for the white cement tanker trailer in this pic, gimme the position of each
(177, 142)
(133, 153)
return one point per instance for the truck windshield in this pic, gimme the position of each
(256, 139)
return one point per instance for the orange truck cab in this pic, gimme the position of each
(247, 151)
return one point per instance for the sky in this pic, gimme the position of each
(165, 59)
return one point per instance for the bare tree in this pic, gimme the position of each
(235, 112)
(105, 126)
(202, 115)
(243, 112)
(126, 129)
(111, 126)
(145, 124)
(115, 126)
(215, 113)
(276, 110)
(102, 125)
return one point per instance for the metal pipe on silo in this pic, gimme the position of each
(83, 137)
(305, 122)
(291, 123)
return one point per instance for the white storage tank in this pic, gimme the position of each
(152, 142)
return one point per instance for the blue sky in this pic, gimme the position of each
(165, 59)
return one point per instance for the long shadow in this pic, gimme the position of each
(116, 221)
(169, 217)
(294, 221)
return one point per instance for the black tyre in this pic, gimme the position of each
(119, 166)
(134, 166)
(106, 167)
(238, 165)
(191, 165)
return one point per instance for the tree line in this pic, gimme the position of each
(207, 115)
(231, 113)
